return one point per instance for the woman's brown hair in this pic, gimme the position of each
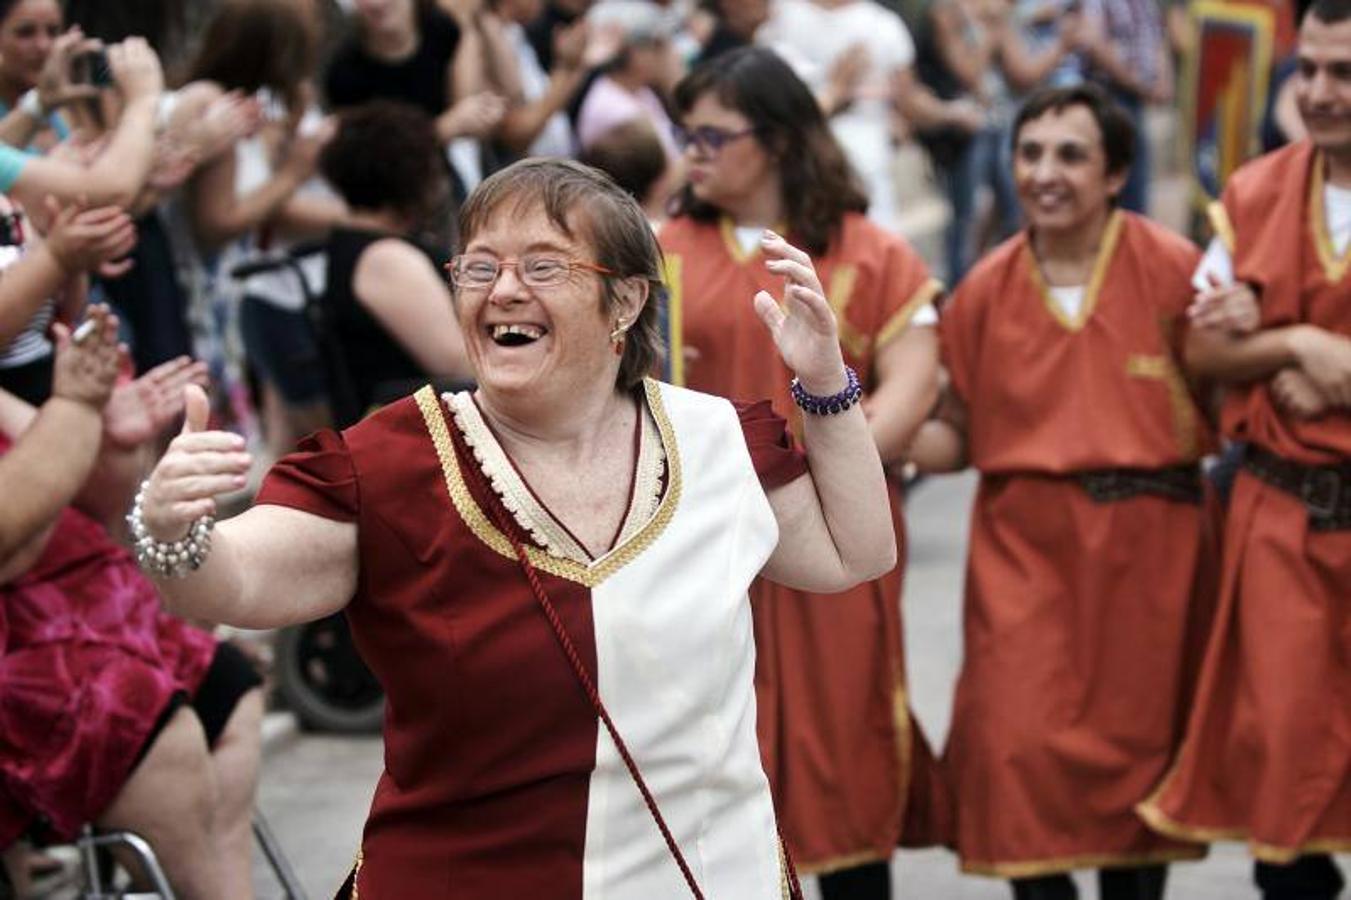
(577, 197)
(818, 187)
(254, 44)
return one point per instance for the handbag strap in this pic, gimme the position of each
(589, 688)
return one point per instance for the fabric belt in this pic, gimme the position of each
(1325, 491)
(1181, 483)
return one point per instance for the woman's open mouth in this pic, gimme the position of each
(516, 335)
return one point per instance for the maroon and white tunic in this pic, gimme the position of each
(499, 780)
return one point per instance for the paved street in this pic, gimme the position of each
(316, 789)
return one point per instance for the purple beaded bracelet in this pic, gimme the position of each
(828, 406)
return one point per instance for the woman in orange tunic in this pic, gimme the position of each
(836, 736)
(1088, 537)
(1268, 752)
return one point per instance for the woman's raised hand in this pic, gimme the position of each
(136, 69)
(88, 361)
(55, 87)
(140, 410)
(198, 466)
(803, 327)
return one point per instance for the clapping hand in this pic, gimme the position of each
(198, 466)
(140, 410)
(87, 362)
(82, 240)
(55, 87)
(803, 327)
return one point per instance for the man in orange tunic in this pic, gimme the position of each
(1088, 537)
(1268, 749)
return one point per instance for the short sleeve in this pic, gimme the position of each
(774, 454)
(899, 45)
(317, 478)
(12, 162)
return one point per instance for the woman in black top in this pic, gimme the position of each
(386, 320)
(412, 51)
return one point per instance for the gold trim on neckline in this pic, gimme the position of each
(1106, 250)
(738, 253)
(434, 414)
(1335, 266)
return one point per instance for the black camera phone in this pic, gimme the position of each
(91, 67)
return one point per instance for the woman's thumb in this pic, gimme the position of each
(196, 408)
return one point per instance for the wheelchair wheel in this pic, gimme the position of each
(324, 681)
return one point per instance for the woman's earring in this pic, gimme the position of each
(617, 337)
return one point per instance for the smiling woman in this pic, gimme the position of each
(548, 574)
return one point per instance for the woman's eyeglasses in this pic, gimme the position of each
(707, 139)
(480, 271)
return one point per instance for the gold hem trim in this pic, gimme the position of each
(899, 322)
(1106, 251)
(1222, 225)
(1038, 868)
(673, 274)
(839, 293)
(838, 863)
(434, 415)
(1335, 267)
(1167, 826)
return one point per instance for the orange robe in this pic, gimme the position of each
(841, 750)
(1081, 616)
(1268, 750)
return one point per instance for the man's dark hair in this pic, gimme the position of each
(384, 156)
(1330, 12)
(817, 184)
(1118, 131)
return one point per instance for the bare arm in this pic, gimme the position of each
(922, 108)
(1025, 69)
(524, 121)
(56, 447)
(939, 446)
(220, 216)
(400, 287)
(116, 176)
(835, 527)
(253, 553)
(966, 62)
(907, 387)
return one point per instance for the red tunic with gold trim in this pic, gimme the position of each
(1080, 614)
(843, 754)
(1268, 750)
(498, 780)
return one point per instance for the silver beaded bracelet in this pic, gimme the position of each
(169, 559)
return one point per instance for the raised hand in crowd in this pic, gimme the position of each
(139, 411)
(56, 86)
(570, 45)
(473, 116)
(844, 79)
(136, 70)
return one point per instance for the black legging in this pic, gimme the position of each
(1314, 877)
(1142, 883)
(871, 881)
